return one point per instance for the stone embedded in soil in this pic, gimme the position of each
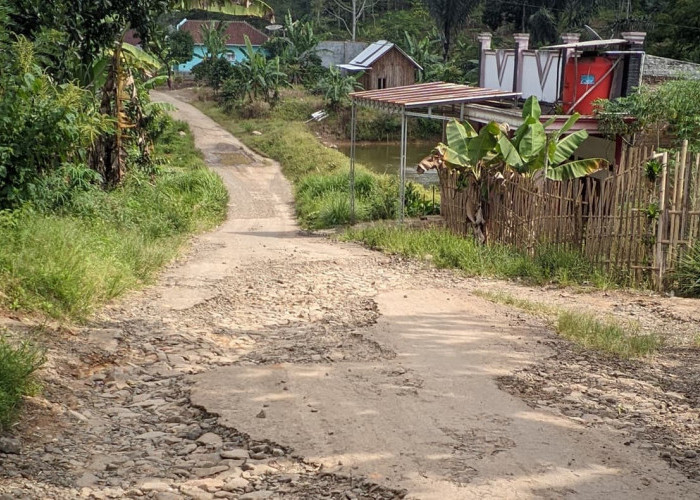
(10, 446)
(235, 454)
(210, 439)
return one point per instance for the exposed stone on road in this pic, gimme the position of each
(267, 363)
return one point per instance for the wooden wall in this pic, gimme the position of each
(393, 66)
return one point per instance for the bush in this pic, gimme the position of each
(255, 109)
(66, 255)
(213, 72)
(18, 363)
(686, 276)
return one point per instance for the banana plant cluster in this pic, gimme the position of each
(530, 151)
(494, 153)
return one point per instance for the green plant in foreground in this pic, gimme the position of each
(611, 336)
(66, 258)
(549, 264)
(624, 340)
(18, 363)
(686, 276)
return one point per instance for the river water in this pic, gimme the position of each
(384, 158)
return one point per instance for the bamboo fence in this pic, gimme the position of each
(631, 219)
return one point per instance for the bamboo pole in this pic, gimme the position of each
(659, 261)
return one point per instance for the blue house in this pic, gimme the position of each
(235, 34)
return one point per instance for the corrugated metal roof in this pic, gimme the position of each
(371, 54)
(588, 44)
(424, 95)
(353, 67)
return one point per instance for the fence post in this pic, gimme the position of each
(660, 261)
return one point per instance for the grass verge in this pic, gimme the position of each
(621, 339)
(18, 362)
(446, 250)
(95, 245)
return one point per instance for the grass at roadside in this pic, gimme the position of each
(619, 338)
(622, 339)
(445, 250)
(18, 362)
(66, 261)
(320, 175)
(534, 308)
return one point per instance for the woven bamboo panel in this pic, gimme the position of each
(627, 220)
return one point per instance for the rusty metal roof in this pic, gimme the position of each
(426, 95)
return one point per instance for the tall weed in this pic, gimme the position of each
(18, 362)
(95, 245)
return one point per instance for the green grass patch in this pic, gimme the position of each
(529, 306)
(96, 245)
(611, 336)
(18, 362)
(549, 265)
(622, 339)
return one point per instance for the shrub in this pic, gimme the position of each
(255, 109)
(336, 87)
(687, 273)
(213, 72)
(69, 254)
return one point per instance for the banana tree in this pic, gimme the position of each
(118, 86)
(533, 152)
(479, 157)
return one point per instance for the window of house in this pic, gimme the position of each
(381, 83)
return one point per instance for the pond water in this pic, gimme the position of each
(384, 158)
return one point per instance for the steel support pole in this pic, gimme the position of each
(402, 171)
(353, 125)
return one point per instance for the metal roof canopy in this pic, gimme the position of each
(405, 101)
(426, 95)
(589, 44)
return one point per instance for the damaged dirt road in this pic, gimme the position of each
(270, 364)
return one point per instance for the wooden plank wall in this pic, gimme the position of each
(626, 220)
(393, 66)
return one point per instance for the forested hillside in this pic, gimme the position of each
(673, 26)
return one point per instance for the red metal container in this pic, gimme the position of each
(581, 75)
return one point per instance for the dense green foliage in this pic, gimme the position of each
(73, 249)
(255, 78)
(672, 107)
(336, 87)
(18, 362)
(549, 265)
(673, 26)
(295, 48)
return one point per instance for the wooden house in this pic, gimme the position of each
(383, 65)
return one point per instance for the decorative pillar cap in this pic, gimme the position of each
(570, 37)
(635, 38)
(485, 40)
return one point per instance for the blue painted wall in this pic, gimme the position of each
(236, 54)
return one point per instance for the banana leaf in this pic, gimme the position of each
(576, 169)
